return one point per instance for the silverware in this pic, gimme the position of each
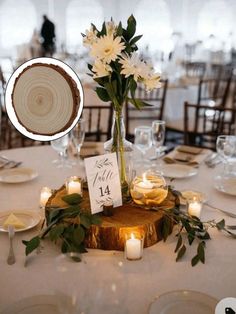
(10, 165)
(231, 227)
(221, 210)
(11, 256)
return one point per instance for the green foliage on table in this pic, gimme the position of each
(66, 225)
(190, 230)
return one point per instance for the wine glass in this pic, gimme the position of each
(143, 139)
(60, 145)
(226, 148)
(158, 136)
(77, 135)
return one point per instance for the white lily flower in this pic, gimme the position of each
(101, 69)
(111, 28)
(90, 37)
(152, 82)
(131, 65)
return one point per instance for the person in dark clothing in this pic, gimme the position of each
(48, 35)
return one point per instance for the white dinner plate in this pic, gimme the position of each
(17, 175)
(183, 302)
(28, 217)
(38, 304)
(226, 185)
(178, 171)
(190, 194)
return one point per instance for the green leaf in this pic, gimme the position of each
(72, 199)
(201, 251)
(78, 235)
(133, 86)
(135, 39)
(137, 103)
(119, 30)
(102, 94)
(90, 67)
(31, 245)
(53, 215)
(195, 260)
(96, 220)
(85, 221)
(204, 236)
(220, 225)
(56, 232)
(166, 228)
(131, 28)
(104, 30)
(191, 236)
(181, 253)
(179, 243)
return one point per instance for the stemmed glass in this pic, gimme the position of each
(158, 136)
(226, 148)
(77, 136)
(60, 146)
(143, 139)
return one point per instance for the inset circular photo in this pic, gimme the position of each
(44, 99)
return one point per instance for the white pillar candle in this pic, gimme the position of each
(44, 196)
(133, 248)
(74, 185)
(195, 208)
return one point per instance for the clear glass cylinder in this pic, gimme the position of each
(123, 149)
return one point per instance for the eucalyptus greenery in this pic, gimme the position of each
(190, 230)
(67, 225)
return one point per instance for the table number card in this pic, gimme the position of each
(103, 181)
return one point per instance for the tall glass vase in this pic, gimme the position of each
(123, 149)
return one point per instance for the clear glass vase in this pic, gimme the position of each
(123, 149)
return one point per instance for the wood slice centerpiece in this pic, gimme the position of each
(128, 218)
(45, 99)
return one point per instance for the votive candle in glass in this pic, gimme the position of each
(194, 207)
(133, 247)
(44, 196)
(74, 185)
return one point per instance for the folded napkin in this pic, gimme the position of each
(187, 155)
(91, 149)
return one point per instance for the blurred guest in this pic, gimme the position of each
(48, 35)
(35, 45)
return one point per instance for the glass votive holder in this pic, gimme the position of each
(149, 189)
(194, 206)
(74, 184)
(44, 196)
(134, 246)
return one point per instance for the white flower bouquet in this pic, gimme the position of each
(117, 67)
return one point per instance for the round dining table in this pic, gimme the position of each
(104, 281)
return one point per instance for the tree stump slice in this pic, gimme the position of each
(128, 218)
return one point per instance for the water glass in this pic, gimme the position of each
(60, 146)
(143, 139)
(78, 135)
(158, 135)
(226, 148)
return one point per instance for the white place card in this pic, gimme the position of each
(103, 181)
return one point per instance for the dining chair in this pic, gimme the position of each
(195, 69)
(213, 92)
(202, 124)
(98, 122)
(155, 98)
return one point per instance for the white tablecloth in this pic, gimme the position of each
(137, 283)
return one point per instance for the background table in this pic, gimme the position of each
(137, 283)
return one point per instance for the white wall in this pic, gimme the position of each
(184, 14)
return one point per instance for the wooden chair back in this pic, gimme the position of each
(195, 69)
(213, 92)
(98, 122)
(156, 98)
(202, 124)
